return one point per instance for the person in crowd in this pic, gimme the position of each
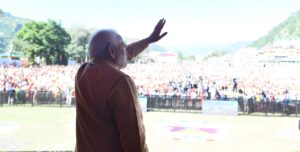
(235, 85)
(69, 95)
(109, 116)
(11, 93)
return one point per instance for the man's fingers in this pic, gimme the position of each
(164, 34)
(160, 24)
(156, 36)
(161, 21)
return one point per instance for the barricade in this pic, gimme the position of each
(21, 97)
(220, 107)
(249, 107)
(156, 103)
(173, 103)
(270, 107)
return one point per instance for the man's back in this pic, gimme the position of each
(108, 114)
(103, 95)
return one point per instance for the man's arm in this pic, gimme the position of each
(127, 113)
(136, 48)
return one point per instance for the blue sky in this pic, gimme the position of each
(188, 21)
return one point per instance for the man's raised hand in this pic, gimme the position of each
(155, 35)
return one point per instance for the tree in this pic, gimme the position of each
(1, 12)
(191, 58)
(180, 57)
(288, 29)
(77, 49)
(46, 40)
(2, 43)
(215, 54)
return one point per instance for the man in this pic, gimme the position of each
(108, 114)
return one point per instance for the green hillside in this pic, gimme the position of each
(9, 25)
(288, 29)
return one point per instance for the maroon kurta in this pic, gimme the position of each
(108, 114)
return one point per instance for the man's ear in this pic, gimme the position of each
(112, 51)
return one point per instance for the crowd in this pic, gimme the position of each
(54, 79)
(203, 81)
(272, 82)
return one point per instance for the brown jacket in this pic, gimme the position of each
(108, 114)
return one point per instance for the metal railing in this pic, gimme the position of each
(36, 98)
(249, 107)
(155, 103)
(173, 103)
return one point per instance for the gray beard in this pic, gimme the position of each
(121, 63)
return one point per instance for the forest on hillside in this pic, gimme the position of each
(288, 29)
(9, 26)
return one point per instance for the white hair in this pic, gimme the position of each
(99, 43)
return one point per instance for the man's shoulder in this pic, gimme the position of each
(83, 65)
(103, 69)
(82, 68)
(121, 73)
